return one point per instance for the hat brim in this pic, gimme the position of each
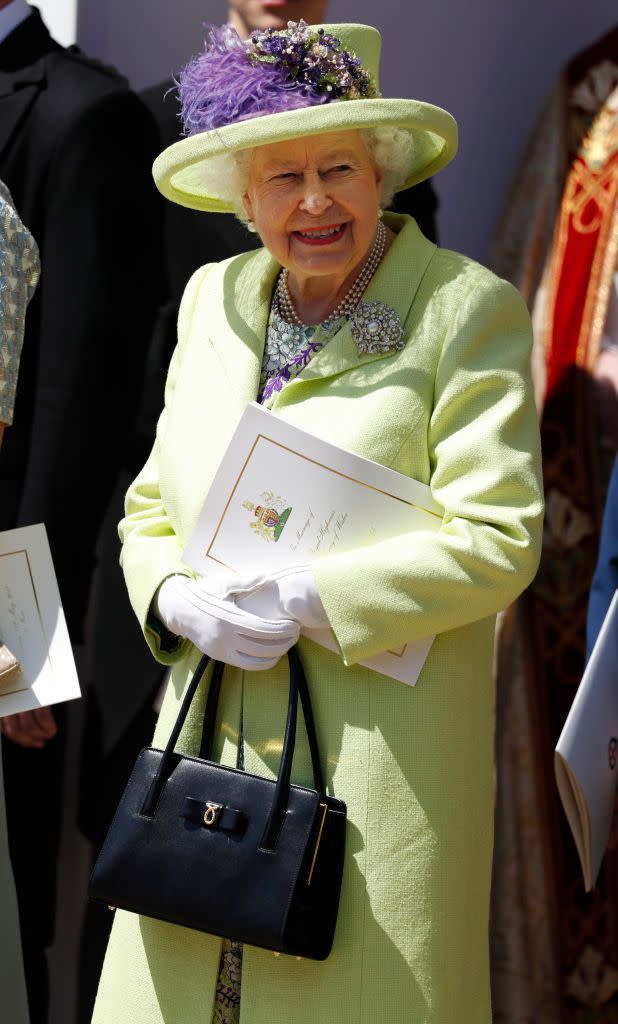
(177, 170)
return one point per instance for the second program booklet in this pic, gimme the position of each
(586, 756)
(283, 497)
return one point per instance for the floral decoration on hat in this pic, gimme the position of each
(273, 71)
(314, 59)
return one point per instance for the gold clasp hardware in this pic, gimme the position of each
(212, 813)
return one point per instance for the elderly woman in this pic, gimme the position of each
(289, 131)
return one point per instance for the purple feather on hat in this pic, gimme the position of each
(222, 86)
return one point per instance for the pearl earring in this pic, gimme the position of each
(251, 227)
(380, 212)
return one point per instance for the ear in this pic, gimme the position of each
(248, 205)
(379, 174)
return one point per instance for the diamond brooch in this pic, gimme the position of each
(376, 328)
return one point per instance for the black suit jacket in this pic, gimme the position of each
(189, 240)
(76, 148)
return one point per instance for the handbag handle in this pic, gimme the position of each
(212, 701)
(298, 685)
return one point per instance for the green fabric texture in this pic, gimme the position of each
(453, 409)
(178, 170)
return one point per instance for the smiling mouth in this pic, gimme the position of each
(321, 236)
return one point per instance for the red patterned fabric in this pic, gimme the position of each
(555, 949)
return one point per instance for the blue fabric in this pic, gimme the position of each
(605, 579)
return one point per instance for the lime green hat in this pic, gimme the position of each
(279, 85)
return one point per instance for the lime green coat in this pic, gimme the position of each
(454, 409)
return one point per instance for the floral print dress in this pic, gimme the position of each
(289, 348)
(19, 273)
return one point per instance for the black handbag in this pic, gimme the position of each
(220, 850)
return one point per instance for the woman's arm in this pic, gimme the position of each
(151, 550)
(486, 473)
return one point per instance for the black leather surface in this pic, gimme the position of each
(203, 878)
(273, 883)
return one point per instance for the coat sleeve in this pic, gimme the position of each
(151, 550)
(484, 450)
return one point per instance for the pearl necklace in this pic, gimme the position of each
(350, 300)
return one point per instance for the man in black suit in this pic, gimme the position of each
(76, 147)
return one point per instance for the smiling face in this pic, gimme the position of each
(314, 202)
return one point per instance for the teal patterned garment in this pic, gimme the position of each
(227, 999)
(19, 273)
(289, 348)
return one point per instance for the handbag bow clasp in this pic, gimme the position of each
(213, 815)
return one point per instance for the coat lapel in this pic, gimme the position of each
(240, 334)
(395, 283)
(247, 285)
(18, 91)
(22, 72)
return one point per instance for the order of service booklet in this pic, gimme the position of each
(283, 497)
(587, 751)
(32, 624)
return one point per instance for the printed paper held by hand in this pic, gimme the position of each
(283, 497)
(32, 624)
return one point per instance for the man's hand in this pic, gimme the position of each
(29, 728)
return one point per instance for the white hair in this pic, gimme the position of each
(227, 175)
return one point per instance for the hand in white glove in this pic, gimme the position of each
(196, 610)
(289, 593)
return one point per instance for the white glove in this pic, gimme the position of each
(288, 594)
(218, 627)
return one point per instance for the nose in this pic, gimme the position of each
(315, 198)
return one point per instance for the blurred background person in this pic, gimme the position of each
(119, 721)
(555, 950)
(19, 273)
(75, 149)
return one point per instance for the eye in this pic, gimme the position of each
(284, 176)
(340, 169)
